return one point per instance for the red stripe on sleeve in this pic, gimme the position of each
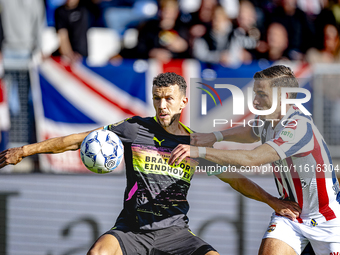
(279, 141)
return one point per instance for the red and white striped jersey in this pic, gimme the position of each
(305, 172)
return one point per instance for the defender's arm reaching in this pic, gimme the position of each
(261, 155)
(238, 134)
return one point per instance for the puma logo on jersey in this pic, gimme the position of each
(158, 141)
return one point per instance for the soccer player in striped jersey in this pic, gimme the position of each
(300, 160)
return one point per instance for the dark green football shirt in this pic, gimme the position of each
(156, 193)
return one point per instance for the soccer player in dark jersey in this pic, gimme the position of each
(154, 218)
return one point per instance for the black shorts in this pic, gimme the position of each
(173, 240)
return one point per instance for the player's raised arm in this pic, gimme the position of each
(61, 144)
(238, 134)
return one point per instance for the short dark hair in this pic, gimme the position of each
(170, 79)
(279, 76)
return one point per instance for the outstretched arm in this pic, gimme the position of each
(53, 145)
(260, 155)
(250, 189)
(238, 134)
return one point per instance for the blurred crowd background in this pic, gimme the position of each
(229, 32)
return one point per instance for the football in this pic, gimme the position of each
(101, 151)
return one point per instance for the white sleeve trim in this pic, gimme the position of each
(277, 148)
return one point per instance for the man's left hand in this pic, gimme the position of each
(181, 152)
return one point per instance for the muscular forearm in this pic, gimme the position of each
(239, 134)
(231, 157)
(55, 145)
(236, 134)
(260, 155)
(248, 188)
(251, 190)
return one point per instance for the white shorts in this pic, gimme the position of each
(324, 237)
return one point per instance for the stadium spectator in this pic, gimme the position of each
(201, 20)
(213, 46)
(301, 163)
(23, 22)
(164, 38)
(324, 18)
(245, 35)
(71, 23)
(276, 44)
(300, 29)
(330, 53)
(92, 6)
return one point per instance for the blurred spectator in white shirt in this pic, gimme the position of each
(23, 22)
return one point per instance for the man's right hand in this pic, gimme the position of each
(202, 139)
(288, 209)
(11, 156)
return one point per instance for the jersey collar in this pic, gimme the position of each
(290, 111)
(184, 126)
